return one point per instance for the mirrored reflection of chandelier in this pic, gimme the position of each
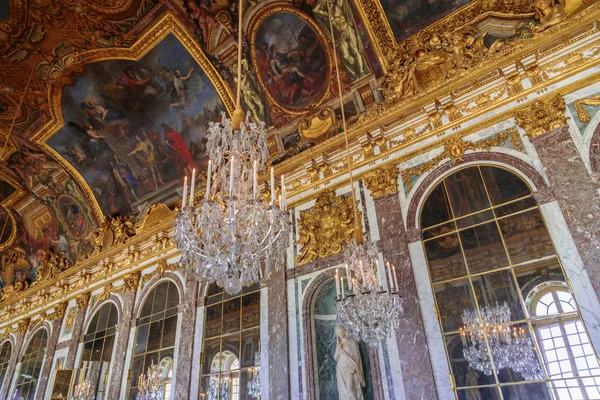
(368, 312)
(219, 389)
(150, 385)
(254, 383)
(509, 345)
(233, 236)
(83, 391)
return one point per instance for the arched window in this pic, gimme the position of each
(5, 353)
(31, 366)
(231, 340)
(156, 331)
(564, 342)
(487, 247)
(98, 345)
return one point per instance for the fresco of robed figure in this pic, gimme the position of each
(407, 17)
(133, 130)
(291, 60)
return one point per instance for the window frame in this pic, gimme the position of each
(32, 357)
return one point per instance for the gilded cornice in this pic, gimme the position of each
(542, 116)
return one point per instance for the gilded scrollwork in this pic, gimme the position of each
(549, 13)
(582, 113)
(70, 319)
(22, 326)
(83, 300)
(323, 229)
(382, 181)
(455, 148)
(131, 281)
(59, 311)
(542, 116)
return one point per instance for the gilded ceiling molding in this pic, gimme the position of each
(542, 116)
(382, 181)
(83, 301)
(454, 149)
(67, 67)
(326, 227)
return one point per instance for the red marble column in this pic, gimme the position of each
(49, 361)
(75, 338)
(279, 384)
(576, 193)
(417, 373)
(187, 313)
(10, 371)
(126, 321)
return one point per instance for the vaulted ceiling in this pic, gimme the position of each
(104, 103)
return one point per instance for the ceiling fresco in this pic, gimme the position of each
(107, 103)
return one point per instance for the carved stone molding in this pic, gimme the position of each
(543, 116)
(325, 228)
(382, 181)
(132, 280)
(83, 300)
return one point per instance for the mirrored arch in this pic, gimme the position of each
(31, 366)
(488, 253)
(5, 354)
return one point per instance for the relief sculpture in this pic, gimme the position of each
(324, 229)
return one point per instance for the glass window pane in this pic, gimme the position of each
(435, 210)
(251, 310)
(466, 192)
(466, 375)
(169, 332)
(444, 258)
(483, 393)
(497, 288)
(231, 315)
(154, 335)
(526, 392)
(210, 364)
(483, 248)
(439, 230)
(503, 185)
(160, 298)
(250, 345)
(213, 320)
(515, 207)
(231, 344)
(452, 298)
(526, 236)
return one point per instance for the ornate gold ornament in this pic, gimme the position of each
(455, 148)
(59, 311)
(131, 281)
(51, 266)
(106, 292)
(83, 300)
(543, 116)
(317, 127)
(548, 13)
(582, 113)
(114, 231)
(22, 326)
(163, 266)
(324, 228)
(70, 320)
(382, 181)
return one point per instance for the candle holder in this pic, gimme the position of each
(369, 312)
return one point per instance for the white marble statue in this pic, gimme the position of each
(349, 370)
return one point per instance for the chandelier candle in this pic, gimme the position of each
(208, 179)
(192, 187)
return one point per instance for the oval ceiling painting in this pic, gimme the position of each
(290, 58)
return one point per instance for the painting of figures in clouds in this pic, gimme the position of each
(134, 129)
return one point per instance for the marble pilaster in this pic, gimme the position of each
(75, 336)
(10, 371)
(278, 365)
(49, 360)
(417, 373)
(186, 342)
(122, 339)
(576, 193)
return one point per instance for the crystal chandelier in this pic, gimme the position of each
(150, 386)
(368, 312)
(233, 236)
(254, 383)
(509, 345)
(83, 391)
(220, 388)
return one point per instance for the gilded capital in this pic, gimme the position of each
(83, 300)
(382, 181)
(543, 116)
(132, 280)
(59, 311)
(23, 326)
